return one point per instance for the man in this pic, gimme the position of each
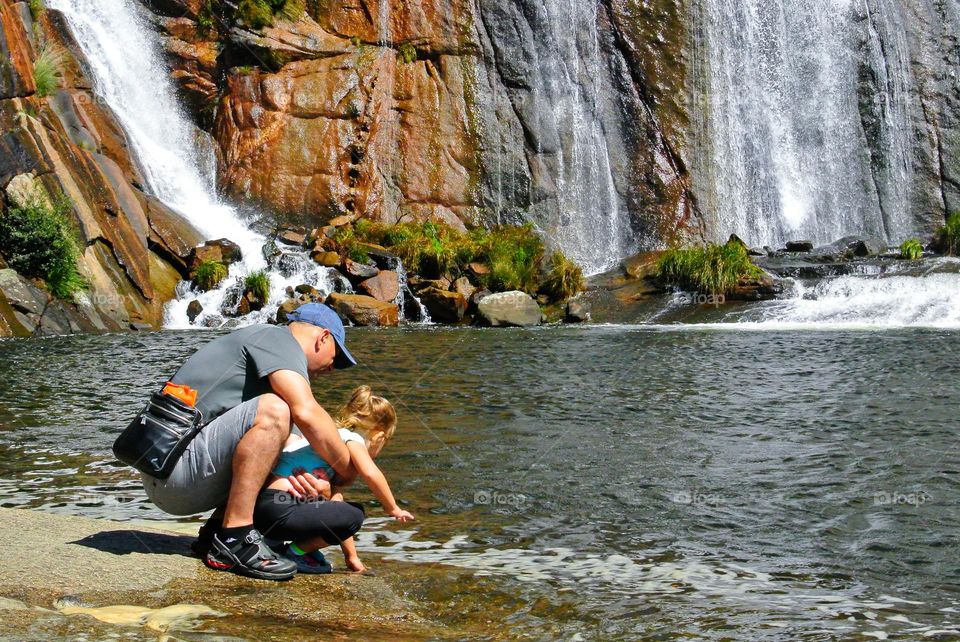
(252, 385)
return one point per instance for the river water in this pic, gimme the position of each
(605, 482)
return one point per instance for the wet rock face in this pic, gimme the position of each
(431, 111)
(67, 145)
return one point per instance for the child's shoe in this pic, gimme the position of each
(312, 563)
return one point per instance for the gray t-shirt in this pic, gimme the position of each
(232, 369)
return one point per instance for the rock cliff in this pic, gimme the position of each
(64, 142)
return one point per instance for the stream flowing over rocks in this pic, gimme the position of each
(614, 126)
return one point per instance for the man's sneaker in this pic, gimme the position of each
(250, 557)
(205, 537)
(312, 563)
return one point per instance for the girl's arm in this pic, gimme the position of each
(349, 548)
(361, 460)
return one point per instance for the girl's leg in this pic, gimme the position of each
(314, 525)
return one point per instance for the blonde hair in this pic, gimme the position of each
(367, 413)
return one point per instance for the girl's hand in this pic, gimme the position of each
(401, 515)
(355, 565)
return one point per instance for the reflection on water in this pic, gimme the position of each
(605, 482)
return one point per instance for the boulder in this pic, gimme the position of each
(799, 246)
(326, 259)
(577, 311)
(286, 308)
(232, 301)
(464, 287)
(194, 309)
(513, 308)
(340, 221)
(385, 286)
(443, 305)
(220, 251)
(307, 290)
(24, 189)
(478, 296)
(229, 251)
(364, 310)
(358, 271)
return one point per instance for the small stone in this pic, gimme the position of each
(290, 237)
(213, 321)
(138, 326)
(194, 309)
(309, 290)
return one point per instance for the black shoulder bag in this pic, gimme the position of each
(155, 440)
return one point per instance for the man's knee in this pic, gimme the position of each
(273, 413)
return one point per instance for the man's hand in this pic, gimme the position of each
(306, 485)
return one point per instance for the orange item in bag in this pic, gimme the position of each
(184, 393)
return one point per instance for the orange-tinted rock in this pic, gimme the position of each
(383, 287)
(364, 310)
(443, 305)
(326, 259)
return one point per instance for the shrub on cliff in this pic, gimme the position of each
(209, 275)
(947, 238)
(564, 280)
(714, 269)
(258, 14)
(911, 250)
(38, 240)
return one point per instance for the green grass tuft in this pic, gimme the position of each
(209, 275)
(947, 238)
(47, 70)
(713, 269)
(911, 250)
(407, 53)
(564, 280)
(258, 284)
(39, 240)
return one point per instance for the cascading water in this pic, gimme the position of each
(593, 229)
(806, 129)
(125, 61)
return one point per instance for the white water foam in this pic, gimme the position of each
(129, 74)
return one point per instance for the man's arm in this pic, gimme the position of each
(314, 422)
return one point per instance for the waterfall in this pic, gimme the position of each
(129, 74)
(805, 126)
(591, 227)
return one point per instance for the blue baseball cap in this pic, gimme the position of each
(323, 316)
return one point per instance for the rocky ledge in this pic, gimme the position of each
(113, 576)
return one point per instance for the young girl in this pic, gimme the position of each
(366, 423)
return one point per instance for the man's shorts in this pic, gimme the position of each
(201, 479)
